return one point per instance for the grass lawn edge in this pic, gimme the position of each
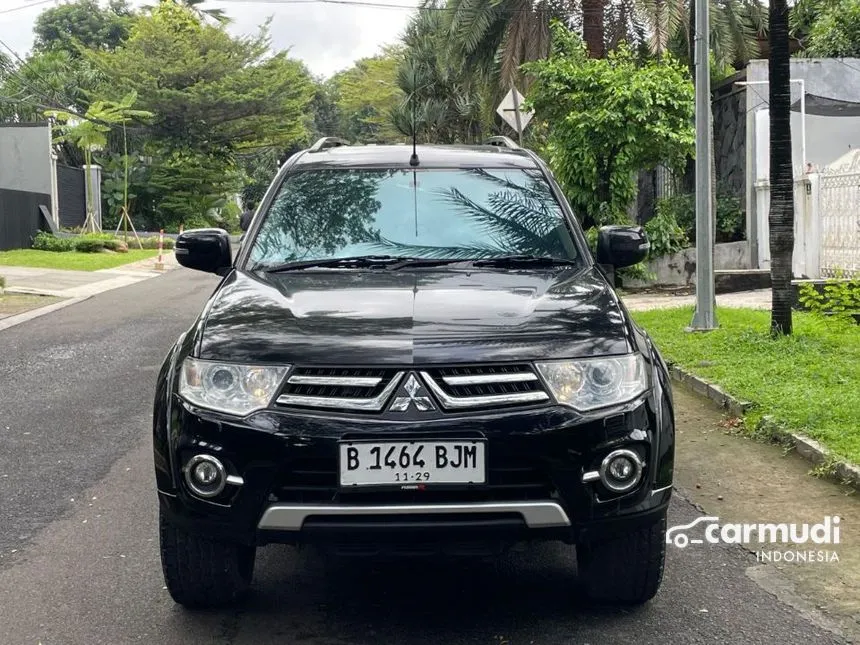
(73, 260)
(826, 462)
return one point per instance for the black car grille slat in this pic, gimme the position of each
(506, 481)
(320, 391)
(486, 389)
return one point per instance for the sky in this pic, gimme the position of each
(327, 37)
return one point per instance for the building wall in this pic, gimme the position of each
(25, 182)
(730, 130)
(25, 158)
(827, 138)
(679, 269)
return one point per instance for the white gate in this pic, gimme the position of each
(839, 204)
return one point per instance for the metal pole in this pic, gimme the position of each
(802, 123)
(704, 318)
(514, 95)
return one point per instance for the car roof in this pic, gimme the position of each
(429, 156)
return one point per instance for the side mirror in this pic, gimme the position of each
(622, 246)
(204, 249)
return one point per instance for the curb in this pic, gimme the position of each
(17, 319)
(804, 446)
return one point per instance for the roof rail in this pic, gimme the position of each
(328, 142)
(502, 142)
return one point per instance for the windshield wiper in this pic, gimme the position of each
(358, 261)
(426, 262)
(519, 260)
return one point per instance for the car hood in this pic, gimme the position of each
(413, 317)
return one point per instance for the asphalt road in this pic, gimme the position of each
(79, 556)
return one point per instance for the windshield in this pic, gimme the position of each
(438, 214)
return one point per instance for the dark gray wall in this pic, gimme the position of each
(72, 196)
(730, 132)
(19, 217)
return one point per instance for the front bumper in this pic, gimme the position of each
(536, 461)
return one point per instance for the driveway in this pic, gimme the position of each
(79, 557)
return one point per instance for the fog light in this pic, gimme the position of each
(205, 475)
(621, 470)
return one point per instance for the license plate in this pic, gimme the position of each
(411, 463)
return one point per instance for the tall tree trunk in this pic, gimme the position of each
(592, 27)
(781, 215)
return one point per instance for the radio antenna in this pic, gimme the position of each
(413, 160)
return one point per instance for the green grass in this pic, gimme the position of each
(72, 259)
(808, 382)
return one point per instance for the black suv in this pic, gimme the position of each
(413, 351)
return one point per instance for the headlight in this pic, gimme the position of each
(594, 383)
(227, 387)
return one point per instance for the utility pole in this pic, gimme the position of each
(705, 317)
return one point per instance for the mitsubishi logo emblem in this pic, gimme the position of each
(415, 394)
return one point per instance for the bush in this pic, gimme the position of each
(731, 219)
(664, 233)
(89, 245)
(229, 217)
(115, 244)
(151, 242)
(2, 283)
(47, 242)
(839, 297)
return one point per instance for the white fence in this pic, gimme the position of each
(839, 210)
(826, 223)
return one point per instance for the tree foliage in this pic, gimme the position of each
(209, 91)
(213, 97)
(84, 23)
(365, 94)
(46, 80)
(835, 31)
(608, 119)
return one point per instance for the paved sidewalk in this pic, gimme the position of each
(82, 284)
(758, 299)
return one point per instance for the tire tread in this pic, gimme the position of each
(200, 572)
(627, 569)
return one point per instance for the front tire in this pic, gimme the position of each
(625, 570)
(200, 572)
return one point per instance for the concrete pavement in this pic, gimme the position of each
(758, 299)
(78, 544)
(82, 284)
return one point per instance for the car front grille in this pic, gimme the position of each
(456, 388)
(459, 388)
(352, 389)
(315, 480)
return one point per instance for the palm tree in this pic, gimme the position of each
(736, 26)
(496, 36)
(781, 215)
(89, 133)
(442, 103)
(218, 15)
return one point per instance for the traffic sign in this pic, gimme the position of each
(510, 109)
